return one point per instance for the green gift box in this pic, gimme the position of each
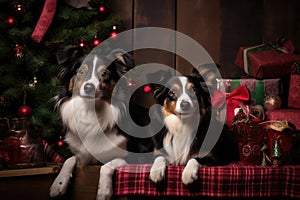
(258, 88)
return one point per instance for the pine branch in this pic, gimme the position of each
(20, 34)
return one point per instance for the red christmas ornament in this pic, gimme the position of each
(102, 9)
(114, 32)
(60, 143)
(24, 111)
(10, 20)
(96, 41)
(19, 51)
(147, 89)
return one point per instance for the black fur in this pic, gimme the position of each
(70, 60)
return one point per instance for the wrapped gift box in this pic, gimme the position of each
(258, 89)
(291, 115)
(263, 61)
(294, 87)
(294, 94)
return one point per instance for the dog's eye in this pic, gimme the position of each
(80, 72)
(105, 73)
(193, 90)
(172, 93)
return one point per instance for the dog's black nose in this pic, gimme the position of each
(89, 89)
(185, 106)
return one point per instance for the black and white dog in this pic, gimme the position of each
(87, 85)
(187, 115)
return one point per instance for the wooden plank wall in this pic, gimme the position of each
(220, 26)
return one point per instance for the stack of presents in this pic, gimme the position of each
(263, 108)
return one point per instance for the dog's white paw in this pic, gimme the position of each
(105, 190)
(62, 181)
(158, 169)
(105, 186)
(59, 186)
(190, 172)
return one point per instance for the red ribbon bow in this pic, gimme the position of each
(237, 97)
(45, 20)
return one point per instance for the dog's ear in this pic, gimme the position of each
(207, 73)
(71, 85)
(70, 59)
(157, 81)
(122, 61)
(68, 55)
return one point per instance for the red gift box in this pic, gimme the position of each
(263, 61)
(251, 140)
(294, 94)
(291, 115)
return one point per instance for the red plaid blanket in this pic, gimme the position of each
(234, 180)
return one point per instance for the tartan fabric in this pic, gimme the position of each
(234, 180)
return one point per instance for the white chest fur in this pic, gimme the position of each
(179, 138)
(92, 136)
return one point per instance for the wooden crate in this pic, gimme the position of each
(34, 183)
(31, 183)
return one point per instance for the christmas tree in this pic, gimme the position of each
(32, 32)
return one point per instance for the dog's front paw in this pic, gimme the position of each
(157, 172)
(105, 191)
(59, 186)
(190, 172)
(62, 181)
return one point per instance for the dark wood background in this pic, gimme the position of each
(220, 26)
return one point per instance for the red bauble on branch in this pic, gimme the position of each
(60, 142)
(114, 32)
(102, 9)
(96, 41)
(19, 51)
(24, 111)
(10, 21)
